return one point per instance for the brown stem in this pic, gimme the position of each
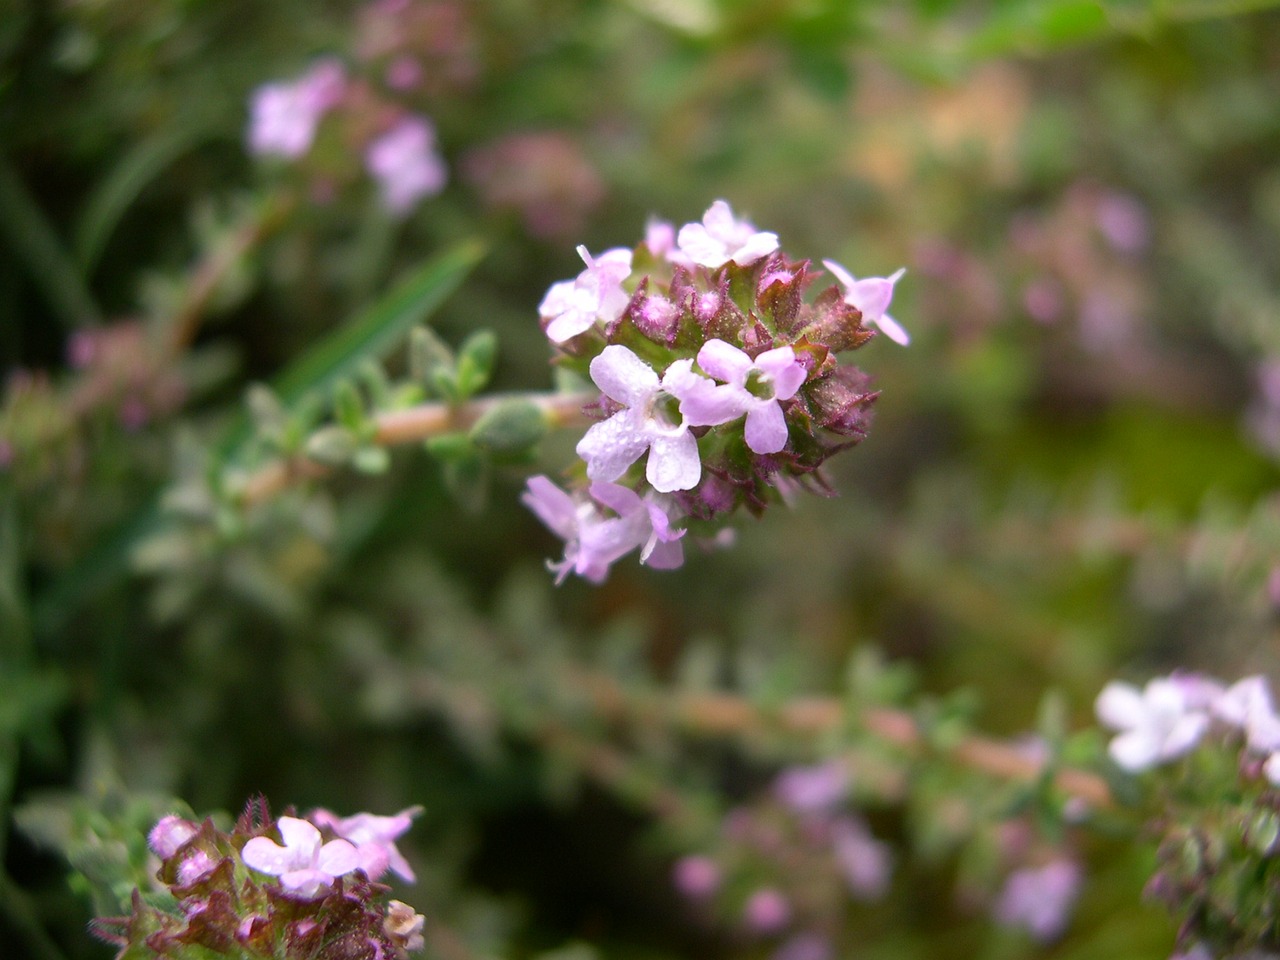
(208, 274)
(723, 713)
(411, 425)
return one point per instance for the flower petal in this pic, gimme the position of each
(612, 446)
(552, 506)
(337, 857)
(673, 463)
(1120, 706)
(622, 376)
(724, 361)
(766, 428)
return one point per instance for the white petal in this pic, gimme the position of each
(612, 446)
(267, 856)
(623, 376)
(301, 838)
(1135, 751)
(840, 273)
(1186, 733)
(673, 463)
(893, 330)
(1120, 706)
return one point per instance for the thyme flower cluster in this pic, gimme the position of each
(286, 889)
(722, 386)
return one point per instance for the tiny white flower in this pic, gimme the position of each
(721, 238)
(303, 864)
(1156, 724)
(572, 307)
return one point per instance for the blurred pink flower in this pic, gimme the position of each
(283, 117)
(406, 165)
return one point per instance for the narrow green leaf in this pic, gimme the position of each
(377, 331)
(120, 188)
(372, 334)
(34, 241)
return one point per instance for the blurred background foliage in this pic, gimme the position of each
(1072, 474)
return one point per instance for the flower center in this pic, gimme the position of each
(663, 412)
(759, 385)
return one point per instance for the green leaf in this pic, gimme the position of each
(35, 242)
(120, 188)
(476, 358)
(377, 331)
(511, 428)
(374, 333)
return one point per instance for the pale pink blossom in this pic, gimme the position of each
(871, 296)
(572, 307)
(696, 877)
(1039, 899)
(406, 165)
(652, 419)
(374, 838)
(865, 863)
(1155, 724)
(595, 539)
(812, 789)
(767, 911)
(283, 117)
(1247, 705)
(755, 387)
(304, 865)
(721, 238)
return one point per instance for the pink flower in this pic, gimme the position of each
(812, 789)
(1247, 705)
(754, 387)
(650, 420)
(721, 239)
(871, 296)
(303, 865)
(167, 836)
(767, 911)
(1039, 899)
(865, 863)
(572, 307)
(593, 539)
(405, 163)
(194, 867)
(696, 877)
(283, 117)
(1155, 724)
(374, 838)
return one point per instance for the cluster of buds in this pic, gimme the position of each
(722, 385)
(288, 888)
